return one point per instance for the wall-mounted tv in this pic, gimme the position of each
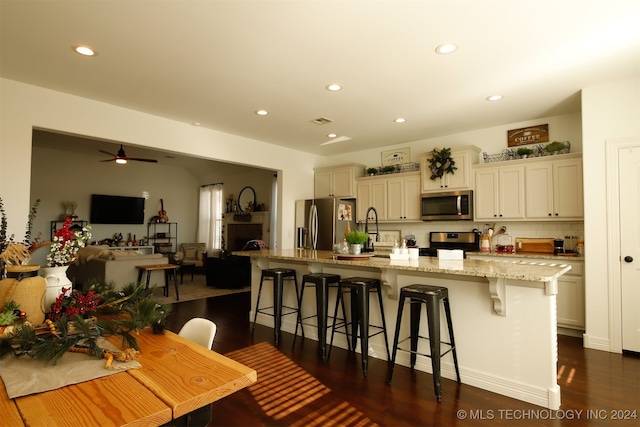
(116, 209)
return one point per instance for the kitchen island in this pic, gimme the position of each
(504, 314)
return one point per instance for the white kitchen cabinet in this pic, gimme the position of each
(461, 179)
(403, 197)
(396, 197)
(570, 301)
(554, 189)
(337, 181)
(499, 192)
(371, 192)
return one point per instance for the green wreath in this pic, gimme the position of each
(441, 163)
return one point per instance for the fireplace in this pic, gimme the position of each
(237, 233)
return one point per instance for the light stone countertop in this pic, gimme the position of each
(535, 271)
(529, 255)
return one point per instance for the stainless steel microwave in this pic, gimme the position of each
(448, 205)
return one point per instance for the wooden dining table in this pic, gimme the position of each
(176, 377)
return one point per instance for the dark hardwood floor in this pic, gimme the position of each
(598, 388)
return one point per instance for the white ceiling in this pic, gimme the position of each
(216, 62)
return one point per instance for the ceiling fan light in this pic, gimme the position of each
(121, 161)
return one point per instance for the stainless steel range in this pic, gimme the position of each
(468, 241)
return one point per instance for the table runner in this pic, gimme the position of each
(23, 376)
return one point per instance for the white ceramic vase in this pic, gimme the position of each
(56, 278)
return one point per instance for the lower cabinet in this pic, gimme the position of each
(570, 300)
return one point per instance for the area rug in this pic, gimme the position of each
(290, 396)
(191, 290)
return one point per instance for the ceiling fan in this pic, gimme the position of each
(121, 157)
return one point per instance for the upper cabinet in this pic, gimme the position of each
(554, 189)
(396, 197)
(540, 188)
(337, 181)
(461, 179)
(499, 192)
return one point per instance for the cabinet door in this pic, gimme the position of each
(411, 196)
(570, 301)
(371, 193)
(343, 182)
(567, 189)
(511, 192)
(539, 190)
(461, 179)
(486, 194)
(395, 210)
(323, 184)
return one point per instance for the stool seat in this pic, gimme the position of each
(360, 288)
(277, 276)
(431, 296)
(322, 282)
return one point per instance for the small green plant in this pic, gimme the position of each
(554, 147)
(388, 169)
(524, 151)
(372, 171)
(356, 237)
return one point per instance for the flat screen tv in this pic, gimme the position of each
(116, 209)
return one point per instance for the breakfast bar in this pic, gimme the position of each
(504, 314)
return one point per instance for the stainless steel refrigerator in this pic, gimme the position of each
(320, 223)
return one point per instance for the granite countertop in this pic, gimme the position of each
(530, 255)
(528, 271)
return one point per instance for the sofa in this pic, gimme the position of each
(117, 267)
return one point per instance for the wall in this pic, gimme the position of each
(491, 140)
(25, 107)
(610, 111)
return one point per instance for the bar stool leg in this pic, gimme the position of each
(416, 308)
(175, 283)
(396, 337)
(363, 316)
(255, 314)
(277, 306)
(447, 311)
(298, 321)
(322, 310)
(339, 301)
(433, 312)
(384, 323)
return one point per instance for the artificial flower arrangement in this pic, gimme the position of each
(441, 163)
(78, 319)
(66, 243)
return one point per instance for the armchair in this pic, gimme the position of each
(195, 253)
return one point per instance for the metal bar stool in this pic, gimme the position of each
(360, 288)
(278, 276)
(431, 296)
(322, 282)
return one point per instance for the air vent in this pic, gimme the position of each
(321, 121)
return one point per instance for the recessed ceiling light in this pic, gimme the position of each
(494, 98)
(84, 50)
(196, 123)
(332, 135)
(333, 87)
(400, 120)
(446, 48)
(262, 112)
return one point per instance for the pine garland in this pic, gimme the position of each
(120, 314)
(441, 163)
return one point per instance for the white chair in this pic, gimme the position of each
(199, 330)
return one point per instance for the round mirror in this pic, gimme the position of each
(247, 199)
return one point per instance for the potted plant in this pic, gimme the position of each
(355, 239)
(372, 171)
(388, 169)
(524, 152)
(555, 147)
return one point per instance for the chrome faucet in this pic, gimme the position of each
(368, 247)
